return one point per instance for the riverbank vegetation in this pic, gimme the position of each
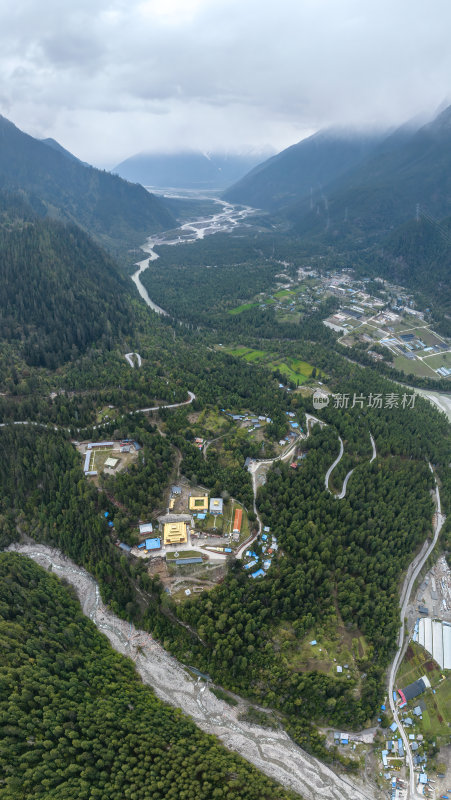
(78, 723)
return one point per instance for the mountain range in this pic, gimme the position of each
(60, 186)
(302, 170)
(338, 184)
(189, 169)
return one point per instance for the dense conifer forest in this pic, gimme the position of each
(76, 720)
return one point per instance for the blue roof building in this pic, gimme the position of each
(393, 727)
(258, 574)
(153, 544)
(250, 564)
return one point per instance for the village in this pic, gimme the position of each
(375, 315)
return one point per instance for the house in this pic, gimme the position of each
(258, 574)
(176, 490)
(414, 689)
(125, 547)
(237, 520)
(417, 711)
(344, 738)
(145, 529)
(393, 727)
(250, 564)
(197, 503)
(153, 544)
(216, 505)
(423, 778)
(247, 462)
(188, 560)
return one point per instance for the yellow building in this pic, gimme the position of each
(198, 503)
(175, 533)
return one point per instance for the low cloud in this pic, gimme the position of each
(112, 78)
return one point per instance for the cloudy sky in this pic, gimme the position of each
(109, 78)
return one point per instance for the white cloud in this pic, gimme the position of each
(111, 78)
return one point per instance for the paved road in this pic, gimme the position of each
(51, 427)
(129, 357)
(342, 494)
(412, 574)
(332, 466)
(373, 445)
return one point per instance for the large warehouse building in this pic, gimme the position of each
(435, 637)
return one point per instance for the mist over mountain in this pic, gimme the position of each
(302, 169)
(188, 170)
(60, 149)
(60, 186)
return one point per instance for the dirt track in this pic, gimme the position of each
(271, 751)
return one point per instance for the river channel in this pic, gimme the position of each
(272, 752)
(227, 218)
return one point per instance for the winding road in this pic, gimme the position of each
(342, 494)
(273, 752)
(51, 427)
(412, 574)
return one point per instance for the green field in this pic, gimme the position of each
(210, 423)
(243, 307)
(295, 369)
(337, 643)
(439, 360)
(99, 456)
(418, 662)
(413, 367)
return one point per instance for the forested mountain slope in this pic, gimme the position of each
(110, 208)
(409, 167)
(302, 170)
(78, 723)
(59, 291)
(418, 255)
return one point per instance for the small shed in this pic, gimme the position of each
(145, 529)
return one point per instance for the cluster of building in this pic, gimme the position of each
(263, 562)
(251, 421)
(124, 446)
